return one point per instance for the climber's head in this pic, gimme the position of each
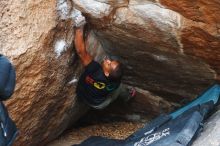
(112, 68)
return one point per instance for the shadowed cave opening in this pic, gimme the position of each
(118, 120)
(147, 67)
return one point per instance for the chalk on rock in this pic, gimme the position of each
(78, 18)
(73, 81)
(63, 9)
(60, 46)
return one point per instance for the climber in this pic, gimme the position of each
(99, 84)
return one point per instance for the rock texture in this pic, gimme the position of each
(168, 47)
(200, 33)
(28, 37)
(39, 42)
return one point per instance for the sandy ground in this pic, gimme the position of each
(116, 130)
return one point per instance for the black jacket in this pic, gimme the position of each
(8, 130)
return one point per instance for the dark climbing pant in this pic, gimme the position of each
(122, 92)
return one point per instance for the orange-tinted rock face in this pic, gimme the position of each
(199, 10)
(200, 37)
(197, 42)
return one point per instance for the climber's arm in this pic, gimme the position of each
(81, 48)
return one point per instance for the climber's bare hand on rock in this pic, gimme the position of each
(78, 19)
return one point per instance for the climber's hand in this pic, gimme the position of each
(78, 19)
